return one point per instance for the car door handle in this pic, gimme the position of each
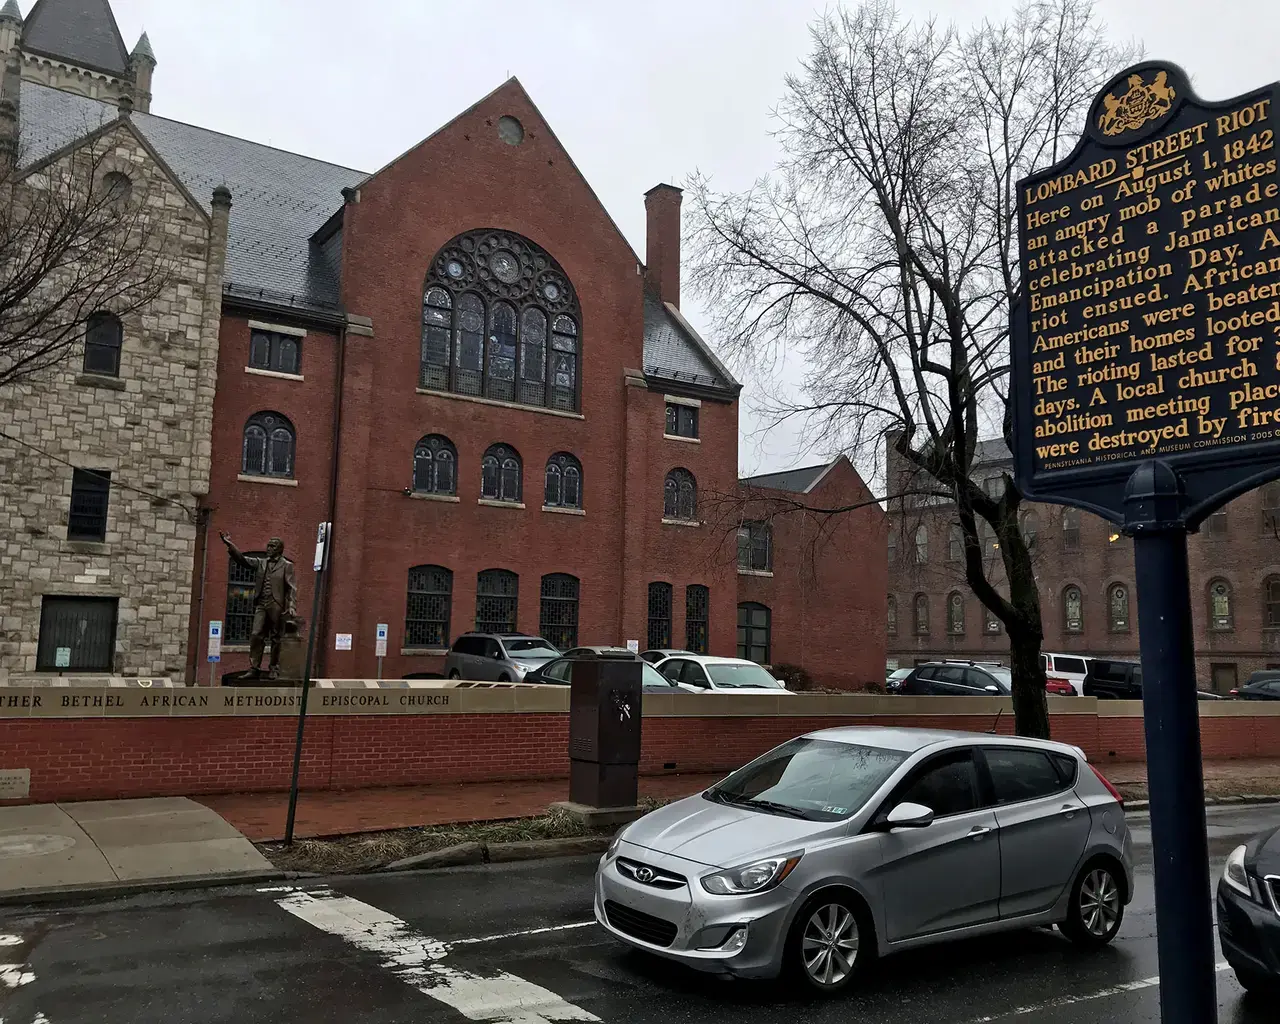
(1068, 811)
(978, 831)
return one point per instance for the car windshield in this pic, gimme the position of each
(650, 676)
(529, 645)
(809, 778)
(732, 675)
(1004, 679)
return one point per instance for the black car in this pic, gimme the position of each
(1249, 913)
(1113, 680)
(957, 679)
(1263, 685)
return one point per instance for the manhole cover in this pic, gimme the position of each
(33, 845)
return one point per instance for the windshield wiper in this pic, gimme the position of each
(769, 805)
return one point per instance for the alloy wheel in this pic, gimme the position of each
(829, 946)
(1099, 902)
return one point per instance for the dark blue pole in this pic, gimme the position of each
(1175, 776)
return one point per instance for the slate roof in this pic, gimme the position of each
(675, 352)
(797, 480)
(992, 451)
(81, 32)
(279, 200)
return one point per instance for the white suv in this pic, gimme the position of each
(1071, 667)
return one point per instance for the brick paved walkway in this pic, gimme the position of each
(261, 816)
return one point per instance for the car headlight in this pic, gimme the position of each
(613, 846)
(750, 878)
(1235, 875)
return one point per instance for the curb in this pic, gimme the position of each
(116, 890)
(499, 853)
(1248, 800)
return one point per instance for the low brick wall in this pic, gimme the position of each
(87, 743)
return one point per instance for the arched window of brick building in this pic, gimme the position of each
(435, 466)
(922, 545)
(1072, 610)
(660, 598)
(501, 319)
(1221, 613)
(1118, 608)
(558, 616)
(1070, 529)
(1271, 508)
(697, 616)
(497, 596)
(1271, 595)
(269, 445)
(891, 617)
(921, 609)
(955, 543)
(563, 482)
(891, 544)
(680, 497)
(500, 474)
(955, 613)
(427, 608)
(1030, 528)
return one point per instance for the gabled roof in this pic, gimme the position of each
(279, 200)
(81, 32)
(675, 352)
(801, 481)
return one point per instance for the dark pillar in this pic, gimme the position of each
(1175, 775)
(604, 738)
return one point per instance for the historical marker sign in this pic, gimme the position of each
(1149, 325)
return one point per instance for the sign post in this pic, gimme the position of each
(215, 646)
(380, 646)
(324, 538)
(1145, 356)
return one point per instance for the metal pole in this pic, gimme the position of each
(379, 670)
(302, 704)
(1175, 776)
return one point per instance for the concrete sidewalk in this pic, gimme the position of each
(111, 842)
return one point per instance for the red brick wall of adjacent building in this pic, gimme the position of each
(81, 759)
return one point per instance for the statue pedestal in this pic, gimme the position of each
(293, 658)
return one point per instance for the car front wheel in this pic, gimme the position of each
(1097, 907)
(828, 946)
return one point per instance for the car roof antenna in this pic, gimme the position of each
(996, 724)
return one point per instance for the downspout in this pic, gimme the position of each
(322, 627)
(203, 515)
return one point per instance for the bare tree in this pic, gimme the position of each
(884, 249)
(76, 238)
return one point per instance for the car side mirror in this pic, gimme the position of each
(993, 689)
(909, 815)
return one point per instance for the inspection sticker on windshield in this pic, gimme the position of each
(835, 810)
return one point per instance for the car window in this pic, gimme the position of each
(732, 675)
(1272, 687)
(652, 656)
(673, 667)
(925, 673)
(693, 674)
(1076, 666)
(981, 679)
(470, 645)
(561, 671)
(492, 649)
(1068, 769)
(812, 778)
(1018, 775)
(651, 677)
(916, 684)
(947, 785)
(949, 674)
(528, 645)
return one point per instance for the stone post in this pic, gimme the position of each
(206, 383)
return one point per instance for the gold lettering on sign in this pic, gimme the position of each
(1139, 105)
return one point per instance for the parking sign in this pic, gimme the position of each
(215, 640)
(381, 641)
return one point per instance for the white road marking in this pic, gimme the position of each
(14, 975)
(519, 935)
(1105, 993)
(412, 957)
(10, 940)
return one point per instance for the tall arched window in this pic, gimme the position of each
(697, 615)
(500, 474)
(755, 632)
(660, 616)
(891, 545)
(955, 613)
(558, 616)
(955, 543)
(435, 466)
(1070, 529)
(103, 336)
(891, 616)
(680, 496)
(427, 608)
(500, 318)
(268, 448)
(922, 545)
(1030, 528)
(1271, 597)
(563, 482)
(1118, 608)
(497, 596)
(921, 610)
(1221, 615)
(1072, 610)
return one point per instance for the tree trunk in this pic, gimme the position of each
(1030, 707)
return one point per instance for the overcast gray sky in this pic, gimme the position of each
(639, 91)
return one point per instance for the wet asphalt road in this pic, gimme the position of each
(243, 956)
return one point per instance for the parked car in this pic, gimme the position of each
(1059, 687)
(720, 675)
(1261, 686)
(655, 656)
(957, 679)
(1071, 667)
(894, 679)
(498, 657)
(560, 673)
(847, 844)
(1113, 680)
(1249, 913)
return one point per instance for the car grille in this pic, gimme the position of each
(645, 927)
(651, 876)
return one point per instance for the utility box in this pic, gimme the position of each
(604, 730)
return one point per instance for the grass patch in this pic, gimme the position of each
(369, 850)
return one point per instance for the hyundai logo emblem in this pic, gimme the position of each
(644, 875)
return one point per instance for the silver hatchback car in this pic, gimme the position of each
(847, 844)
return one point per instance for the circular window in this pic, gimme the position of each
(551, 291)
(455, 268)
(510, 130)
(505, 266)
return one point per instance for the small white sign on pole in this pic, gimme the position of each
(322, 538)
(342, 642)
(215, 640)
(381, 641)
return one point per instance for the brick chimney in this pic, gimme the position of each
(662, 246)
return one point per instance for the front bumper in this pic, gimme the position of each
(1249, 934)
(701, 926)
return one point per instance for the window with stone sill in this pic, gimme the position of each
(500, 320)
(682, 420)
(279, 353)
(921, 613)
(90, 496)
(680, 497)
(955, 613)
(891, 616)
(697, 614)
(428, 607)
(103, 338)
(558, 616)
(1221, 616)
(990, 622)
(955, 543)
(1217, 525)
(755, 632)
(1271, 509)
(497, 598)
(269, 446)
(1118, 608)
(660, 601)
(435, 466)
(1071, 529)
(755, 547)
(501, 472)
(921, 545)
(563, 488)
(1073, 610)
(1271, 601)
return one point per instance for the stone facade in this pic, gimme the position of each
(143, 426)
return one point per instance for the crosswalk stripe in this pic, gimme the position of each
(415, 959)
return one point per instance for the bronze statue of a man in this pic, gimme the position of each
(275, 600)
